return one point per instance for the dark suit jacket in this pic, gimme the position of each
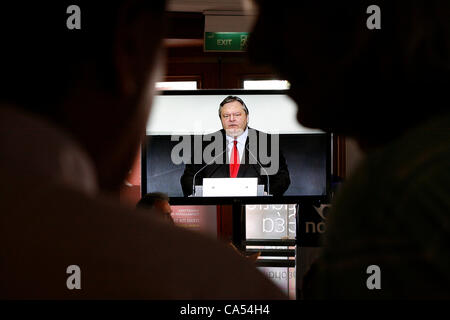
(278, 183)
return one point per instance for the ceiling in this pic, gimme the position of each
(203, 5)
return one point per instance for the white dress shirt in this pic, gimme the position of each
(240, 144)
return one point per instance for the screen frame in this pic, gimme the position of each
(244, 200)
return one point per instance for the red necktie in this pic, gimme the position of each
(234, 163)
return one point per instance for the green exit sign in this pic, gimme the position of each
(226, 41)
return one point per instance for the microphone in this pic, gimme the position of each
(265, 171)
(210, 162)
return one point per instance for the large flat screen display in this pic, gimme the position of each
(184, 144)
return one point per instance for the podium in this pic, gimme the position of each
(229, 187)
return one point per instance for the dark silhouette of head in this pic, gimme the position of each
(349, 79)
(148, 201)
(156, 201)
(95, 82)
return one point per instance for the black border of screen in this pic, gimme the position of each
(233, 200)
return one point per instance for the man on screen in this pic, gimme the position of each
(241, 152)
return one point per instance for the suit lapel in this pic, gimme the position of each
(221, 170)
(246, 169)
(224, 170)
